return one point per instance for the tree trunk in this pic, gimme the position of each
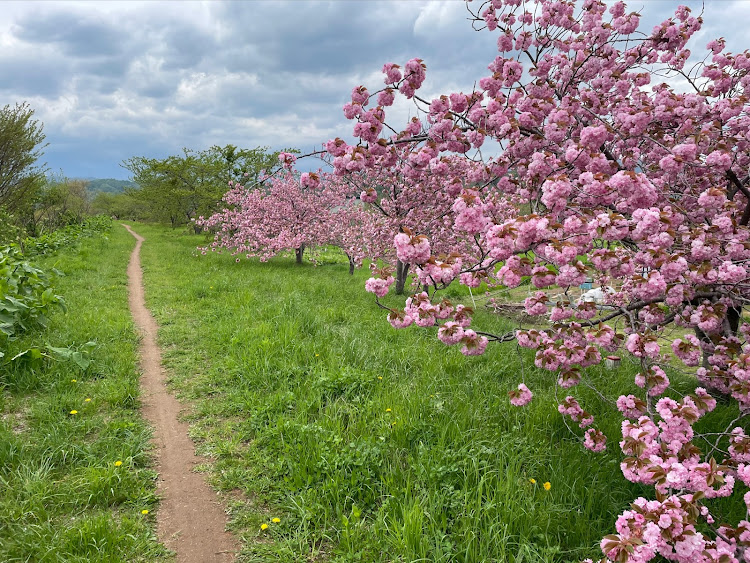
(351, 265)
(731, 326)
(401, 271)
(298, 252)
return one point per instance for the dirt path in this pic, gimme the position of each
(190, 519)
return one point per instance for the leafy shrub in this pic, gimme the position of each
(53, 241)
(9, 230)
(26, 296)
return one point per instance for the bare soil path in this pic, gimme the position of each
(190, 519)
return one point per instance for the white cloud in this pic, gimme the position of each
(439, 18)
(115, 79)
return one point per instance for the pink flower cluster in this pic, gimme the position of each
(412, 249)
(595, 440)
(570, 407)
(379, 286)
(473, 344)
(521, 396)
(654, 380)
(667, 528)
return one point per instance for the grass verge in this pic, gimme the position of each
(366, 443)
(75, 472)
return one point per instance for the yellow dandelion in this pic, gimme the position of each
(87, 400)
(74, 412)
(380, 377)
(74, 381)
(118, 463)
(316, 355)
(275, 520)
(144, 512)
(387, 410)
(547, 486)
(532, 481)
(264, 526)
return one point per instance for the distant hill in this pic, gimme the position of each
(109, 185)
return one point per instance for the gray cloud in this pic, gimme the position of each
(27, 75)
(74, 34)
(112, 80)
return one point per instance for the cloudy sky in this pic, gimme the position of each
(111, 80)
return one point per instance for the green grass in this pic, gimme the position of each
(371, 444)
(61, 496)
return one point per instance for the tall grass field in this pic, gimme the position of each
(367, 443)
(75, 468)
(331, 436)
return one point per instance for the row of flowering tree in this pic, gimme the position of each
(359, 212)
(283, 211)
(603, 169)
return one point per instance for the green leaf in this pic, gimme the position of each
(80, 361)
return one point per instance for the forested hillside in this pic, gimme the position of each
(108, 185)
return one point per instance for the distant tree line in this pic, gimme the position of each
(174, 190)
(181, 188)
(108, 185)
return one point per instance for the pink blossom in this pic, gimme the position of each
(687, 350)
(368, 196)
(542, 277)
(571, 275)
(719, 159)
(470, 279)
(386, 97)
(570, 407)
(462, 315)
(595, 440)
(451, 333)
(594, 137)
(399, 319)
(631, 406)
(536, 305)
(310, 180)
(520, 397)
(474, 345)
(412, 249)
(287, 159)
(392, 73)
(379, 286)
(634, 345)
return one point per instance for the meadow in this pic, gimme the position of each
(331, 436)
(367, 443)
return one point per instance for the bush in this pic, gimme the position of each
(26, 296)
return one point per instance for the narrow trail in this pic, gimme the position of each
(190, 519)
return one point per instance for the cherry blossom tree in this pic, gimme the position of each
(358, 232)
(622, 160)
(286, 211)
(415, 203)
